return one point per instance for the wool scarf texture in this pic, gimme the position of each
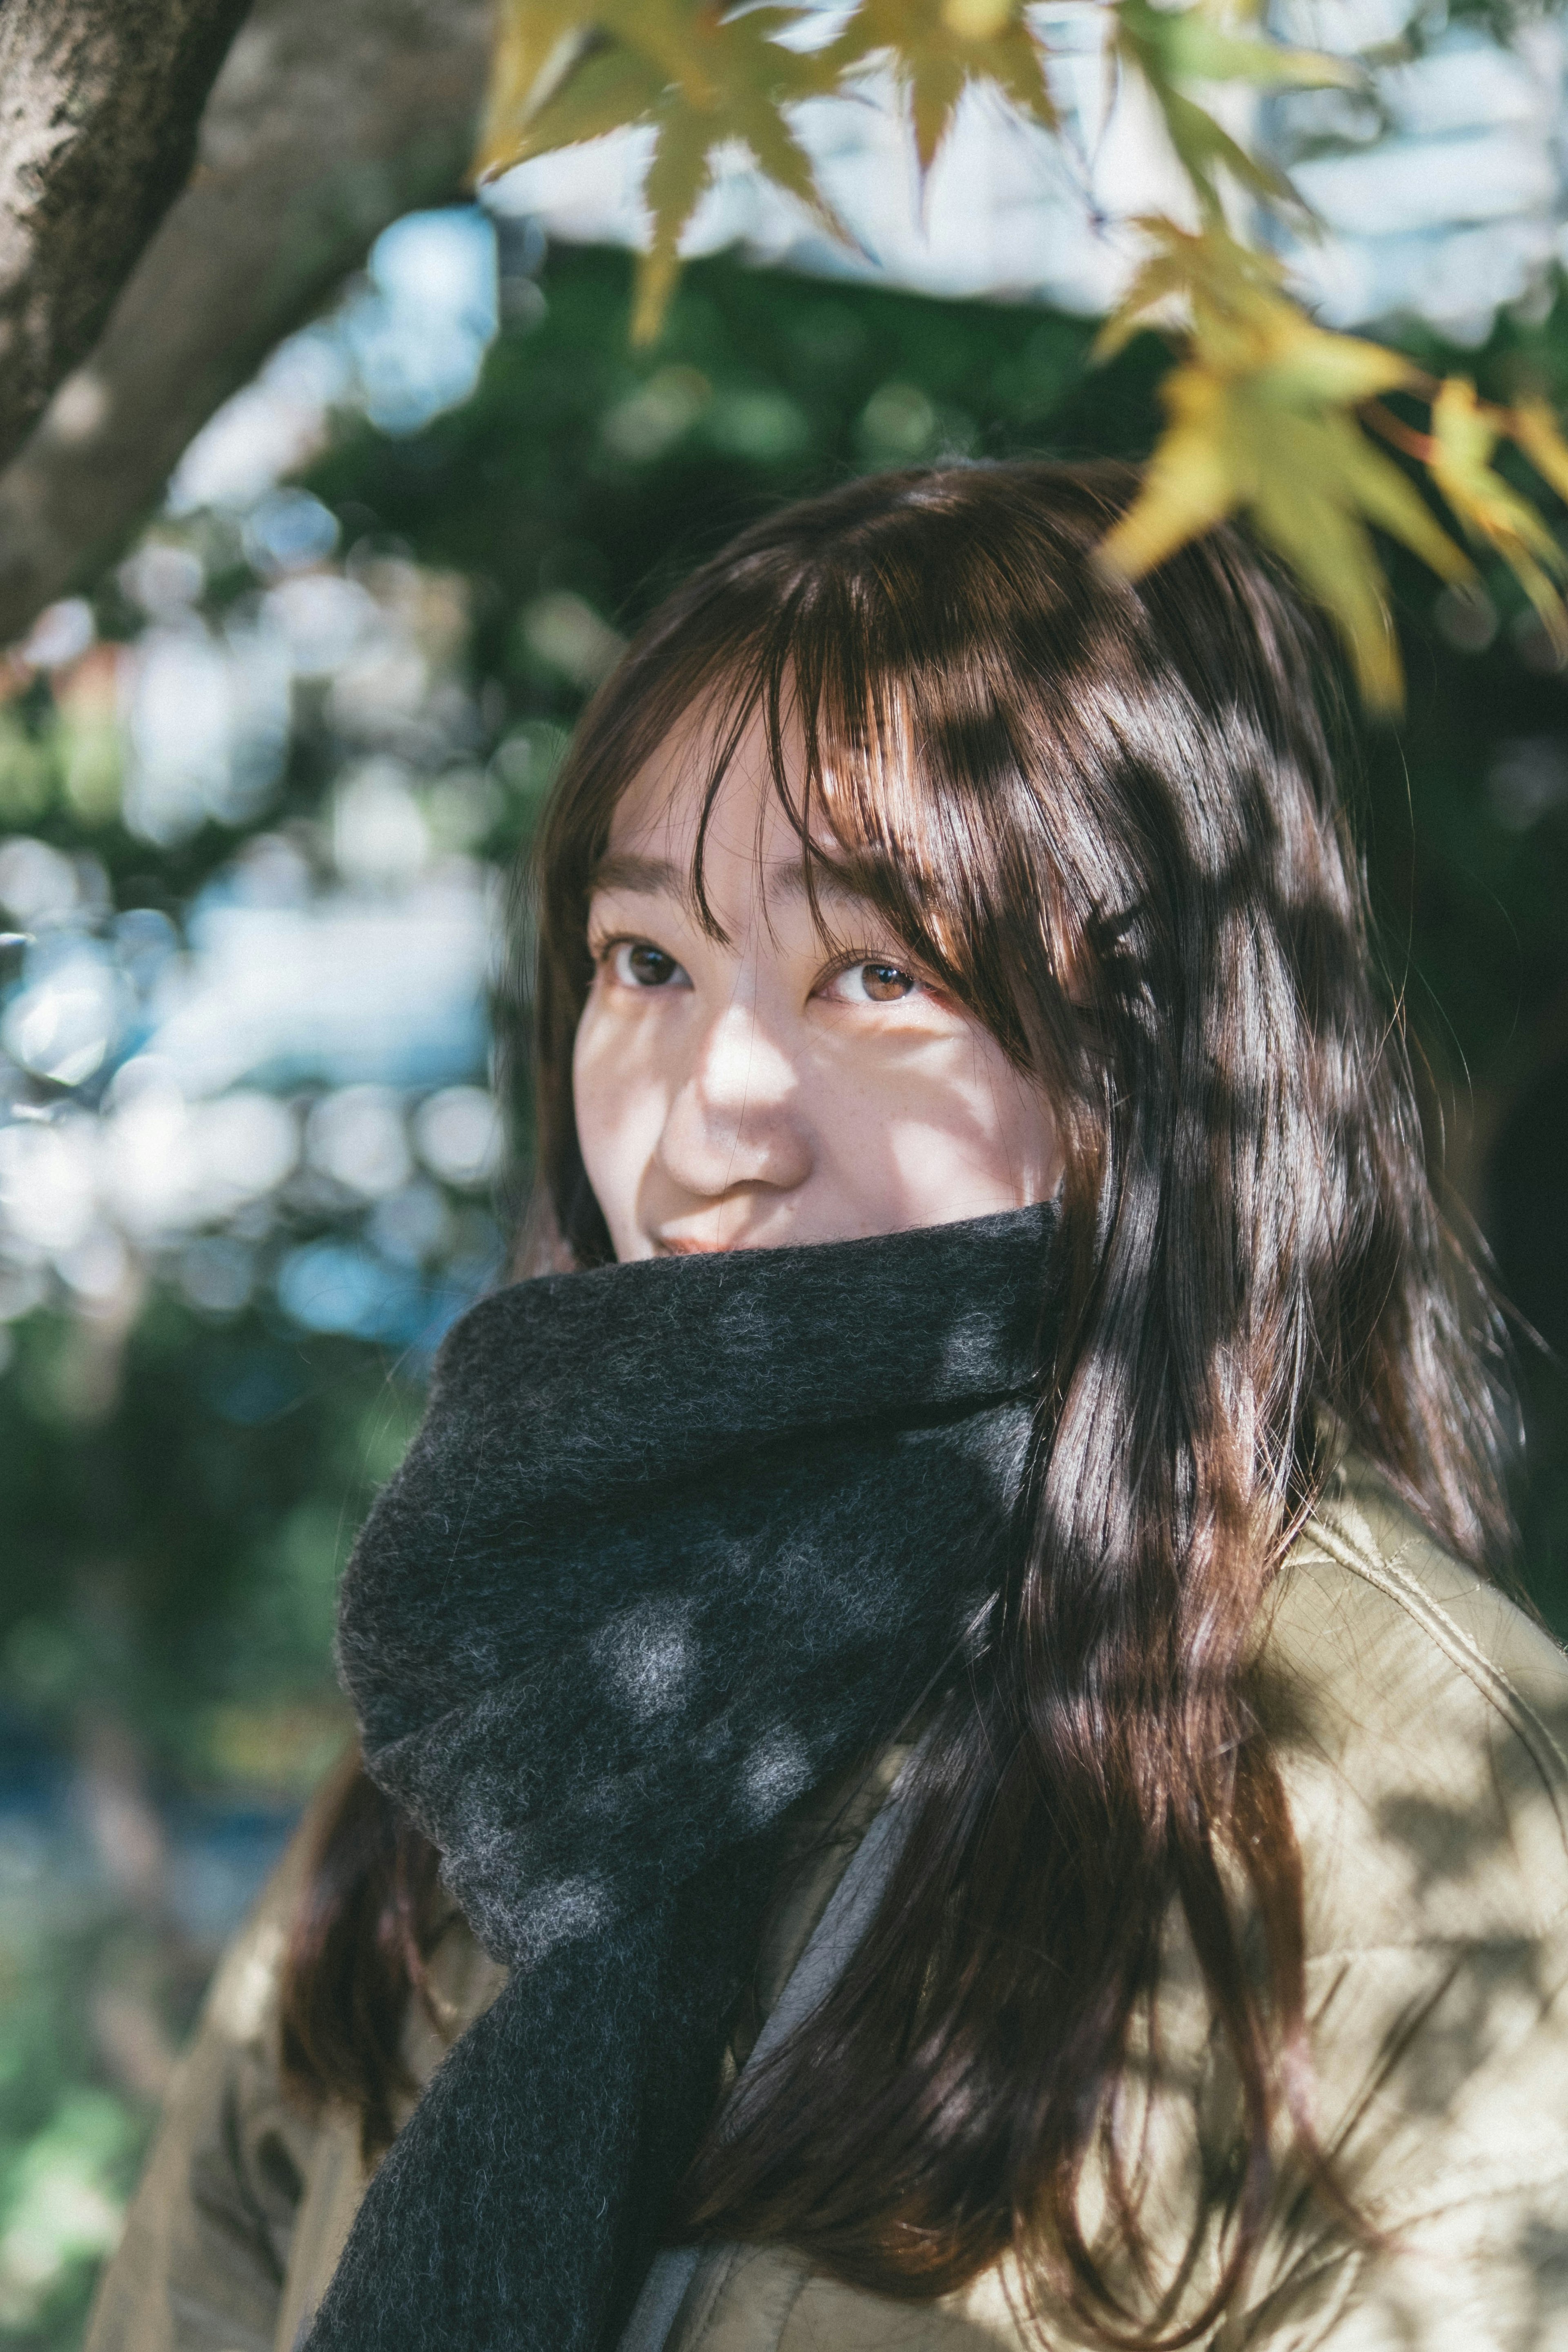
(677, 1542)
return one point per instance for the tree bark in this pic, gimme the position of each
(99, 105)
(328, 119)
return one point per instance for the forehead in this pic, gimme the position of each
(661, 810)
(672, 810)
(749, 848)
(631, 873)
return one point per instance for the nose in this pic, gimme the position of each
(732, 1123)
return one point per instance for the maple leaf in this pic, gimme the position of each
(1184, 272)
(1261, 409)
(536, 46)
(1169, 45)
(1261, 420)
(1465, 434)
(935, 48)
(1194, 45)
(700, 78)
(1532, 425)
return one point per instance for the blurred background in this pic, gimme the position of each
(264, 1127)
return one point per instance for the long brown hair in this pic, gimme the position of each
(1106, 820)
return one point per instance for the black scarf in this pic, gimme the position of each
(676, 1541)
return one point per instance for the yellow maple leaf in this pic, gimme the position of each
(1185, 272)
(1464, 436)
(1532, 425)
(537, 44)
(1194, 45)
(1261, 421)
(935, 48)
(1262, 408)
(701, 78)
(979, 20)
(1172, 45)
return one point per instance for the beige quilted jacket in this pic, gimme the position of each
(1422, 1725)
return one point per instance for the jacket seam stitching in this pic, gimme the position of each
(1484, 2192)
(1451, 1637)
(1426, 1945)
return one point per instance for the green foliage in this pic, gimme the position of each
(179, 1501)
(581, 468)
(1262, 406)
(68, 2146)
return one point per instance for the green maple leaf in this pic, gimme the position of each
(935, 48)
(1261, 420)
(702, 78)
(1465, 434)
(1169, 45)
(537, 44)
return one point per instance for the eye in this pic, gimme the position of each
(637, 963)
(873, 983)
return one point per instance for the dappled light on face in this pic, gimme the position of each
(759, 1059)
(984, 1136)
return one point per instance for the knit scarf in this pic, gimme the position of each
(676, 1541)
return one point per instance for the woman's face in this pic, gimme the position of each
(784, 1086)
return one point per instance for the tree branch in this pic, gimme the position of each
(328, 119)
(99, 106)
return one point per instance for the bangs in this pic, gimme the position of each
(967, 726)
(912, 786)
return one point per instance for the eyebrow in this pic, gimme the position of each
(653, 878)
(644, 878)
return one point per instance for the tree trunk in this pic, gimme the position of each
(328, 119)
(99, 105)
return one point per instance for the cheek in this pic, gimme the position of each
(944, 1131)
(1025, 1127)
(620, 1099)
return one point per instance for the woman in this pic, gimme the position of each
(1005, 1435)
